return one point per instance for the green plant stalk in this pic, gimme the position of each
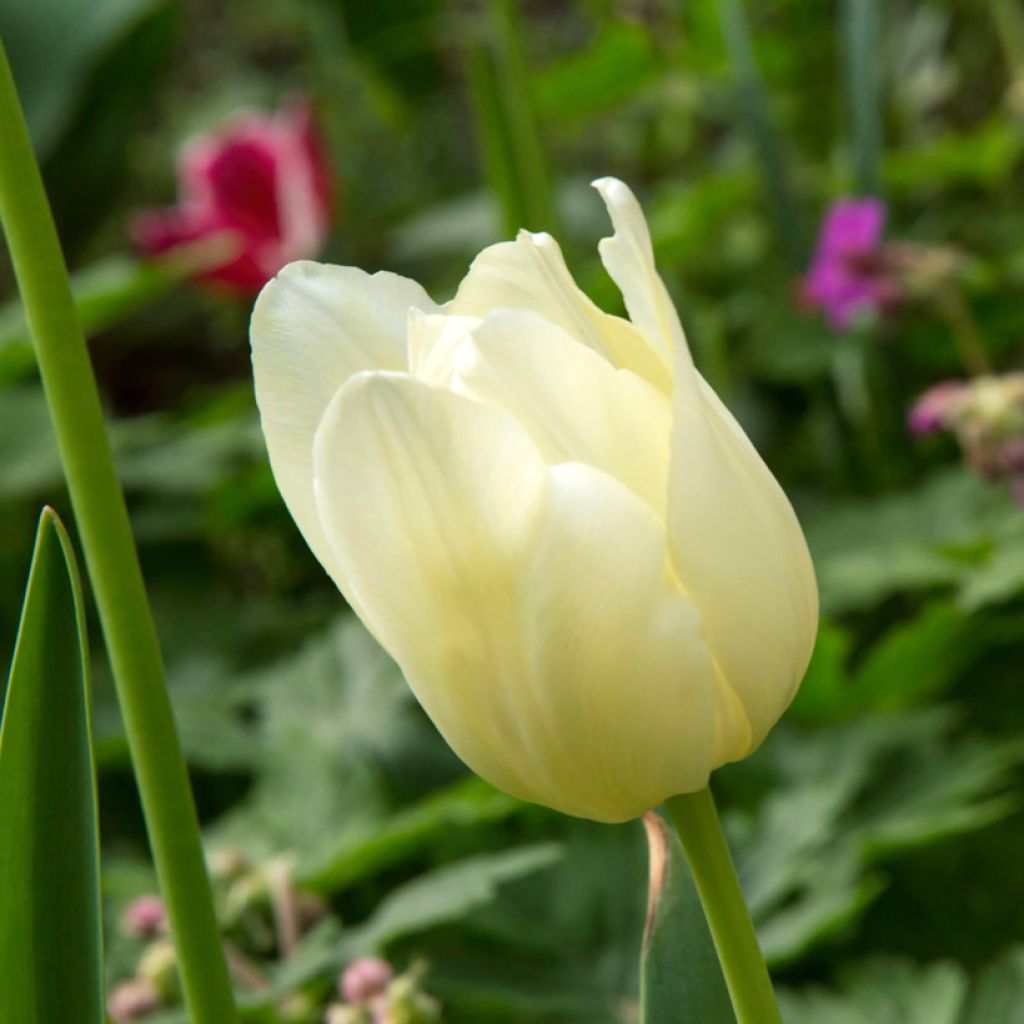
(862, 31)
(757, 120)
(513, 152)
(113, 565)
(746, 976)
(1009, 23)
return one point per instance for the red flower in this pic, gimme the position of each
(258, 187)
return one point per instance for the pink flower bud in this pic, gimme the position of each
(937, 408)
(252, 197)
(144, 918)
(365, 978)
(132, 1000)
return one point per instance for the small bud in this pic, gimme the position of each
(159, 966)
(936, 409)
(346, 1013)
(365, 978)
(228, 864)
(132, 1000)
(144, 918)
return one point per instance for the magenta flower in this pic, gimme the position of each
(847, 276)
(258, 188)
(937, 407)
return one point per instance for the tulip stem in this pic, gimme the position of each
(746, 975)
(106, 538)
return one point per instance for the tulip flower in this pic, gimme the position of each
(257, 191)
(592, 582)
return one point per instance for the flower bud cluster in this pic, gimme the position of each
(372, 994)
(987, 417)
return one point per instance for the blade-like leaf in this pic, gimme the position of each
(680, 979)
(50, 939)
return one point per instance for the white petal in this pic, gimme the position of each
(618, 667)
(628, 257)
(530, 274)
(314, 326)
(434, 340)
(430, 501)
(743, 559)
(575, 405)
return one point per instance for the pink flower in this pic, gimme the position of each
(847, 276)
(365, 978)
(144, 917)
(937, 407)
(259, 187)
(132, 1001)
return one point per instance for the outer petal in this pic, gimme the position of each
(530, 273)
(313, 327)
(576, 407)
(736, 544)
(628, 257)
(431, 503)
(617, 663)
(529, 607)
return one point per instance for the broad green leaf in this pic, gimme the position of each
(50, 939)
(680, 978)
(998, 994)
(52, 67)
(883, 992)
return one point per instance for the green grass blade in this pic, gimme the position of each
(680, 979)
(862, 29)
(50, 939)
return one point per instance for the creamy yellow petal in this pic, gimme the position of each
(575, 405)
(628, 257)
(314, 326)
(740, 552)
(617, 666)
(434, 340)
(431, 502)
(530, 274)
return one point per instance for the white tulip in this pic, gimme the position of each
(592, 582)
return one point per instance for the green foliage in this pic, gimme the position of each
(896, 992)
(679, 972)
(51, 948)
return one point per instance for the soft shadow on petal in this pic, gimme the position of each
(575, 405)
(314, 326)
(530, 274)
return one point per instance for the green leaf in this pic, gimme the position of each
(680, 978)
(105, 294)
(998, 995)
(50, 941)
(52, 67)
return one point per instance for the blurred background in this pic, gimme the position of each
(835, 195)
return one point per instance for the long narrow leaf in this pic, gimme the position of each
(862, 26)
(50, 938)
(680, 979)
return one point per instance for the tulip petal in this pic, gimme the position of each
(618, 667)
(529, 607)
(530, 273)
(738, 547)
(313, 327)
(575, 406)
(628, 257)
(430, 501)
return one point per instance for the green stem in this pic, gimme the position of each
(746, 976)
(862, 30)
(113, 565)
(758, 123)
(513, 151)
(969, 344)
